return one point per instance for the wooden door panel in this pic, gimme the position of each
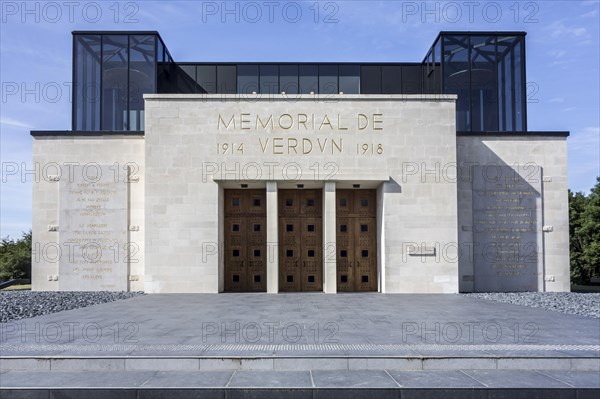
(365, 258)
(234, 202)
(256, 203)
(289, 203)
(344, 203)
(256, 269)
(345, 255)
(356, 238)
(256, 239)
(245, 240)
(300, 240)
(290, 273)
(365, 203)
(312, 259)
(310, 203)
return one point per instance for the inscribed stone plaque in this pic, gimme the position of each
(507, 219)
(93, 230)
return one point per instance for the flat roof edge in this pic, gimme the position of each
(115, 32)
(483, 32)
(90, 133)
(533, 133)
(358, 63)
(85, 133)
(303, 97)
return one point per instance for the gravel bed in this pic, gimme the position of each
(15, 305)
(565, 302)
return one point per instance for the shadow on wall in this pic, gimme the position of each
(504, 250)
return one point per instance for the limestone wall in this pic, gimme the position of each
(196, 145)
(524, 154)
(61, 162)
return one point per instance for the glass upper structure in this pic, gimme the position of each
(112, 71)
(486, 72)
(290, 78)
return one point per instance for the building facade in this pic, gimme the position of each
(282, 177)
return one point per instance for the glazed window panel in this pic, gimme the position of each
(142, 75)
(247, 79)
(288, 79)
(115, 91)
(269, 79)
(309, 79)
(328, 79)
(391, 79)
(226, 79)
(349, 79)
(370, 79)
(456, 77)
(206, 77)
(87, 66)
(484, 98)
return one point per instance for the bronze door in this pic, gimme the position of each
(300, 240)
(356, 240)
(245, 241)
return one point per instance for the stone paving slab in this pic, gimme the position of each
(311, 324)
(348, 379)
(314, 393)
(294, 363)
(435, 379)
(189, 379)
(271, 379)
(580, 379)
(353, 379)
(515, 379)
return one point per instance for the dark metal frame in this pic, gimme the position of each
(514, 133)
(463, 133)
(112, 33)
(522, 54)
(317, 64)
(51, 133)
(166, 57)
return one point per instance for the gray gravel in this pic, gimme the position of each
(15, 305)
(565, 302)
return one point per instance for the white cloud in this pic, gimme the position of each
(560, 29)
(590, 14)
(14, 123)
(557, 53)
(585, 139)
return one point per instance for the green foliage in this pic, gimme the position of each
(15, 258)
(584, 233)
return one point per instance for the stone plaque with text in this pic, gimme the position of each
(93, 230)
(507, 225)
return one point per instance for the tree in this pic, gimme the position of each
(15, 258)
(584, 233)
(577, 202)
(590, 232)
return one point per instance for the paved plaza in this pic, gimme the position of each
(303, 324)
(228, 344)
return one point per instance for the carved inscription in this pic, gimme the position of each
(93, 231)
(506, 227)
(296, 134)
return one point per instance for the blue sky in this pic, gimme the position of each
(563, 51)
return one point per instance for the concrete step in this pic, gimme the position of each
(294, 363)
(381, 383)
